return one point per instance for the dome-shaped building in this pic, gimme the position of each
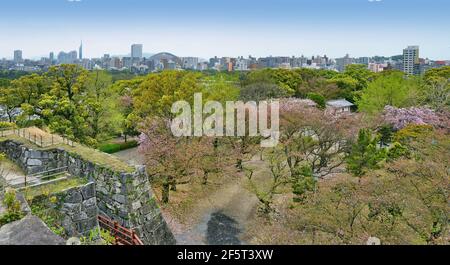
(165, 60)
(165, 56)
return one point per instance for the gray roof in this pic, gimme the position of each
(339, 103)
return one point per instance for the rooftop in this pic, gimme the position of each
(340, 103)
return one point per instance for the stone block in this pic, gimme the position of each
(91, 211)
(79, 217)
(73, 197)
(119, 198)
(71, 208)
(90, 202)
(88, 191)
(34, 162)
(136, 205)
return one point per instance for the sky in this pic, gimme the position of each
(205, 28)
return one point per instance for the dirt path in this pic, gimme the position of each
(131, 156)
(222, 216)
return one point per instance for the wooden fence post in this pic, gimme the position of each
(116, 228)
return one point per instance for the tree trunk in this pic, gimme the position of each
(165, 192)
(205, 178)
(239, 165)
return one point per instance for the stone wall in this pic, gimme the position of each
(32, 161)
(78, 208)
(122, 196)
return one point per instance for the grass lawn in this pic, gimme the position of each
(53, 188)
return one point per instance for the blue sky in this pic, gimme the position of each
(206, 28)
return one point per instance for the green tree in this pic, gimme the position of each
(303, 181)
(220, 88)
(287, 80)
(361, 74)
(386, 132)
(157, 93)
(319, 99)
(64, 108)
(125, 105)
(261, 91)
(392, 89)
(29, 89)
(68, 80)
(364, 154)
(9, 102)
(443, 72)
(104, 116)
(437, 93)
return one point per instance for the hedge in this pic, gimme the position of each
(112, 148)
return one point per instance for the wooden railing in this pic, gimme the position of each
(122, 235)
(41, 139)
(6, 132)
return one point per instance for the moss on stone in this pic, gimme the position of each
(79, 151)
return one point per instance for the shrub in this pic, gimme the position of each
(112, 148)
(13, 210)
(318, 99)
(7, 125)
(411, 133)
(98, 236)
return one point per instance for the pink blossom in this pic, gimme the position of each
(399, 118)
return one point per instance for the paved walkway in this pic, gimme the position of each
(131, 156)
(11, 172)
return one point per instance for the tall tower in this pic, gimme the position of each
(18, 56)
(80, 52)
(411, 61)
(136, 51)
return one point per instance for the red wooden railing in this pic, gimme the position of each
(122, 235)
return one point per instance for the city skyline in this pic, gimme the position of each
(226, 28)
(146, 54)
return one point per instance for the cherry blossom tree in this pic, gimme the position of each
(399, 118)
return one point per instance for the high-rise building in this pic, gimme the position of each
(189, 62)
(67, 58)
(80, 51)
(18, 56)
(136, 51)
(341, 63)
(73, 56)
(127, 62)
(411, 63)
